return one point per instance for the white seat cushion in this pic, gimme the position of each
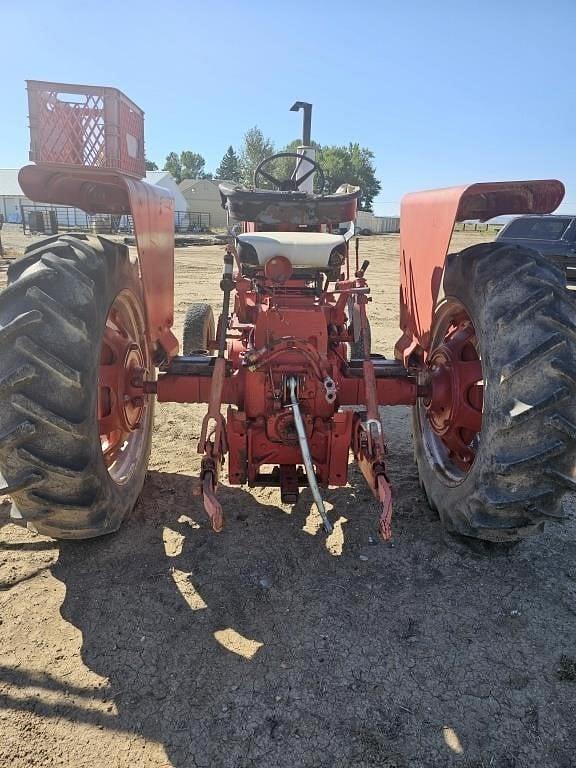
(302, 249)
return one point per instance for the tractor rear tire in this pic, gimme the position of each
(199, 329)
(54, 315)
(525, 455)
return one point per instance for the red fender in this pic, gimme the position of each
(426, 224)
(97, 190)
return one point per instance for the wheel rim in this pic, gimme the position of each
(451, 415)
(123, 408)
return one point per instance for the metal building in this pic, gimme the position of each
(11, 196)
(203, 196)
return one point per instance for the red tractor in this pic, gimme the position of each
(485, 358)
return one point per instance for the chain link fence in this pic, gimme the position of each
(50, 220)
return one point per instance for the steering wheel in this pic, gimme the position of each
(292, 184)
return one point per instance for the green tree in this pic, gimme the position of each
(284, 166)
(229, 167)
(186, 165)
(341, 165)
(350, 165)
(174, 166)
(364, 174)
(254, 149)
(192, 165)
(151, 165)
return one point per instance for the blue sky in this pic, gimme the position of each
(442, 92)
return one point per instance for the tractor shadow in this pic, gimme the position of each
(267, 645)
(217, 646)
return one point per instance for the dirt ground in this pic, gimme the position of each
(273, 645)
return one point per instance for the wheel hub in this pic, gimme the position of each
(454, 406)
(121, 400)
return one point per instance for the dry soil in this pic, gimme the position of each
(271, 644)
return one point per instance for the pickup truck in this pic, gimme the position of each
(553, 236)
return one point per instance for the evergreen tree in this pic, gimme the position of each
(229, 168)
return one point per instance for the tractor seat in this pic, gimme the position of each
(315, 250)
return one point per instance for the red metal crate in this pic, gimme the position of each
(85, 125)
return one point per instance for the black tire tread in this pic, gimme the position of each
(49, 347)
(527, 452)
(198, 328)
(360, 349)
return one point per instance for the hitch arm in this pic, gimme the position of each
(370, 453)
(369, 446)
(214, 444)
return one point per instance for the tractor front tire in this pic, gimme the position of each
(71, 321)
(522, 331)
(361, 348)
(199, 330)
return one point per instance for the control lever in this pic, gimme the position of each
(305, 450)
(363, 268)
